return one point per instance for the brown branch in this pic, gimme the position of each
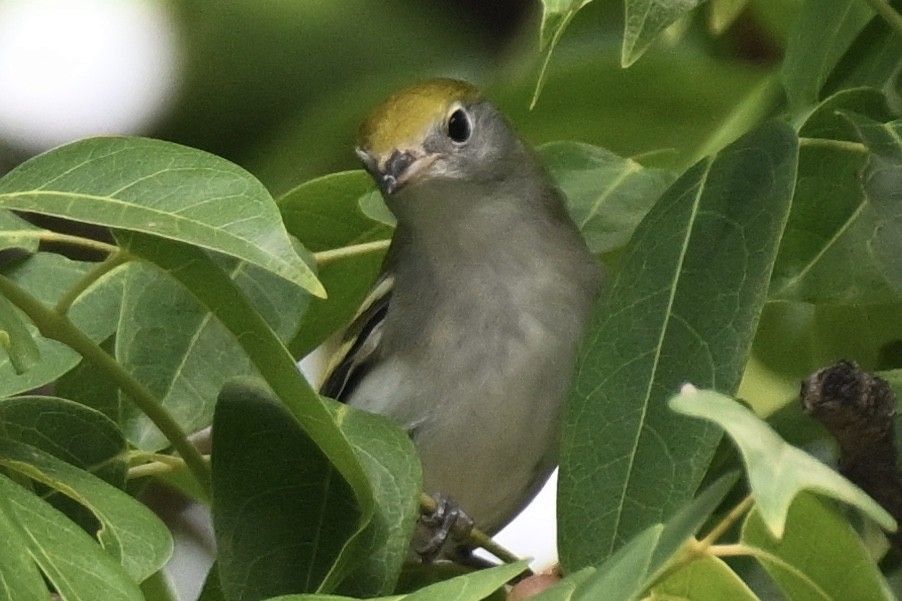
(858, 409)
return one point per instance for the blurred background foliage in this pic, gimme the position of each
(279, 86)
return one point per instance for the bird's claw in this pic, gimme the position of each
(446, 522)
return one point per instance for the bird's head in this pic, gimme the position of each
(440, 129)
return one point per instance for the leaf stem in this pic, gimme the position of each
(157, 463)
(51, 236)
(326, 256)
(727, 522)
(886, 12)
(58, 327)
(112, 262)
(856, 147)
(739, 550)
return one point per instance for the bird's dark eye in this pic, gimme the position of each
(459, 126)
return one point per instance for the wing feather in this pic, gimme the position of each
(359, 344)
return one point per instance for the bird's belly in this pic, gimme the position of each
(485, 425)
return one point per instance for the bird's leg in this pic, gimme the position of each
(447, 522)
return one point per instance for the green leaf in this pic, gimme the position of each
(164, 190)
(707, 578)
(645, 19)
(474, 586)
(195, 270)
(823, 33)
(16, 340)
(684, 306)
(47, 277)
(470, 587)
(129, 531)
(392, 466)
(777, 471)
(826, 254)
(627, 573)
(281, 515)
(622, 576)
(178, 349)
(822, 545)
(324, 215)
(882, 181)
(15, 232)
(90, 386)
(795, 339)
(69, 431)
(76, 566)
(872, 60)
(607, 195)
(556, 16)
(20, 578)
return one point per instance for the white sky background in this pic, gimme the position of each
(76, 68)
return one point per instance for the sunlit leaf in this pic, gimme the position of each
(161, 189)
(776, 470)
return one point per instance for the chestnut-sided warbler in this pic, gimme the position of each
(469, 336)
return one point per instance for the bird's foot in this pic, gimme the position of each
(446, 523)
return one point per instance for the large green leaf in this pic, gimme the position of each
(684, 306)
(822, 35)
(178, 349)
(281, 514)
(294, 512)
(76, 566)
(206, 280)
(826, 254)
(164, 190)
(129, 531)
(607, 195)
(882, 179)
(832, 561)
(777, 471)
(392, 466)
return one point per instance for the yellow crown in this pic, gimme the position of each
(404, 118)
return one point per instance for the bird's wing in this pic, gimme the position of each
(357, 352)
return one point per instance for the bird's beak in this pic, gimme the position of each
(396, 170)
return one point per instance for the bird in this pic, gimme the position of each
(469, 336)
